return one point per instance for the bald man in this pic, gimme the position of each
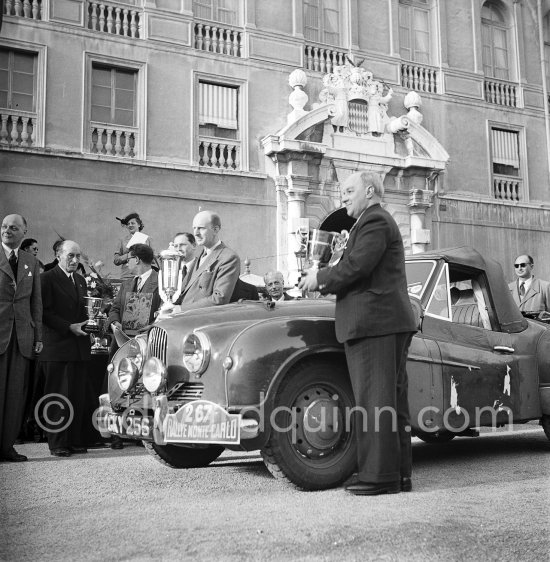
(20, 330)
(63, 364)
(215, 271)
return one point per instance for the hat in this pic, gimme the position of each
(128, 218)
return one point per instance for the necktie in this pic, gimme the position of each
(135, 285)
(522, 289)
(13, 263)
(74, 284)
(183, 271)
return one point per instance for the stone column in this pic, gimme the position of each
(420, 200)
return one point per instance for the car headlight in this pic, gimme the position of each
(127, 374)
(196, 352)
(153, 374)
(136, 351)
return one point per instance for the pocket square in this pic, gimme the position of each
(26, 266)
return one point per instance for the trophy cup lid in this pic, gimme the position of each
(170, 253)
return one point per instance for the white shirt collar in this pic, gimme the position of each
(526, 282)
(8, 251)
(69, 275)
(208, 251)
(144, 277)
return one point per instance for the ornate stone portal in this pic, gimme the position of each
(349, 130)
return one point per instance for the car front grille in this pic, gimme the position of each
(185, 392)
(157, 343)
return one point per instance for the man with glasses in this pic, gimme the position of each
(530, 293)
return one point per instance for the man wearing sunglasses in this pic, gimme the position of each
(530, 293)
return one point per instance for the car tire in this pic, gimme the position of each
(437, 437)
(175, 456)
(545, 422)
(319, 459)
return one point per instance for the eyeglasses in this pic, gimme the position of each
(516, 265)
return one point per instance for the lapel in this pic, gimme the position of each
(205, 265)
(65, 284)
(534, 290)
(5, 264)
(24, 266)
(151, 285)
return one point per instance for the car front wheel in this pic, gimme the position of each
(183, 457)
(312, 441)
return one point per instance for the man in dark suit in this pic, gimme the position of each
(374, 320)
(215, 270)
(63, 365)
(20, 330)
(144, 281)
(275, 286)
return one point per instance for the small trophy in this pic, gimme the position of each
(100, 344)
(170, 278)
(93, 308)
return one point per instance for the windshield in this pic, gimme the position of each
(418, 275)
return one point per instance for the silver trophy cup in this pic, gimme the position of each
(93, 308)
(170, 278)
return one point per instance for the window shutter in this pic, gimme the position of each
(217, 105)
(505, 147)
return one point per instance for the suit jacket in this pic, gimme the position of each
(213, 281)
(20, 303)
(63, 306)
(116, 313)
(536, 299)
(369, 281)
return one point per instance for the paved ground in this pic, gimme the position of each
(474, 499)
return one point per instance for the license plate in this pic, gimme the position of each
(130, 425)
(202, 421)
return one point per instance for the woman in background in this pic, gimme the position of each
(134, 225)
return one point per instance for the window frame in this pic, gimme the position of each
(113, 89)
(214, 10)
(242, 117)
(522, 149)
(412, 6)
(491, 26)
(140, 67)
(39, 113)
(321, 29)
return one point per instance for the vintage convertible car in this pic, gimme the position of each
(271, 376)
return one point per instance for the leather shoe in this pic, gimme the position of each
(406, 484)
(116, 443)
(13, 456)
(61, 452)
(77, 450)
(359, 488)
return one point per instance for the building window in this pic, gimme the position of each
(322, 21)
(18, 97)
(219, 144)
(414, 31)
(495, 42)
(115, 115)
(506, 164)
(223, 11)
(114, 95)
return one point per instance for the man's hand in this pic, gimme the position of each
(114, 325)
(309, 281)
(77, 330)
(38, 346)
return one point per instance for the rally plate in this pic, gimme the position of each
(202, 421)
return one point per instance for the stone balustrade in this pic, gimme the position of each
(115, 18)
(219, 153)
(31, 9)
(113, 141)
(322, 59)
(507, 188)
(222, 40)
(17, 128)
(501, 93)
(420, 78)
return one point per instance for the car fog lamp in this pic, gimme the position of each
(127, 374)
(153, 374)
(196, 353)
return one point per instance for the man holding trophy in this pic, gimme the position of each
(375, 322)
(63, 363)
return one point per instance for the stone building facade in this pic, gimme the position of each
(259, 109)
